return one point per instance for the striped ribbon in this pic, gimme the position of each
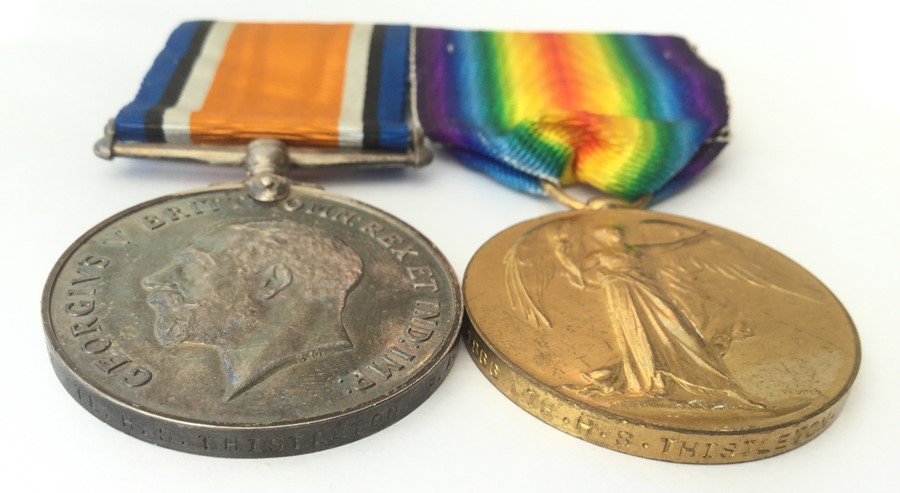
(627, 114)
(329, 85)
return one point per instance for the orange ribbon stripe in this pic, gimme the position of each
(256, 96)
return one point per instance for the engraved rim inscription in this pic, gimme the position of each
(631, 315)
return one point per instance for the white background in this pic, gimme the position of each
(812, 171)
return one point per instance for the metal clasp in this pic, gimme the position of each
(266, 161)
(595, 203)
(418, 154)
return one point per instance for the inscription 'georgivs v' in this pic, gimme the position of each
(247, 328)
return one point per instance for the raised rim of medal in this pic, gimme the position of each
(473, 325)
(440, 355)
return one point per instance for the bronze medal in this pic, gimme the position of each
(659, 336)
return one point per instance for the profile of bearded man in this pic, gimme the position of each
(266, 294)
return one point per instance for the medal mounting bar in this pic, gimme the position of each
(416, 156)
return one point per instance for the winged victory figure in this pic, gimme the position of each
(657, 308)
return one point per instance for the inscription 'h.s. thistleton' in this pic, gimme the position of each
(225, 444)
(87, 330)
(298, 442)
(751, 447)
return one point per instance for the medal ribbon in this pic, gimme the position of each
(627, 114)
(325, 85)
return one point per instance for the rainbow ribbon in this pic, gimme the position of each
(627, 114)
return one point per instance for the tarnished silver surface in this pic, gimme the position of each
(212, 323)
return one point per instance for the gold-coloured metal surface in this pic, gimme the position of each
(659, 336)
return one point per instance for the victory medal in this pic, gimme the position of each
(262, 318)
(649, 334)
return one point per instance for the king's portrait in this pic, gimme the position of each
(267, 295)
